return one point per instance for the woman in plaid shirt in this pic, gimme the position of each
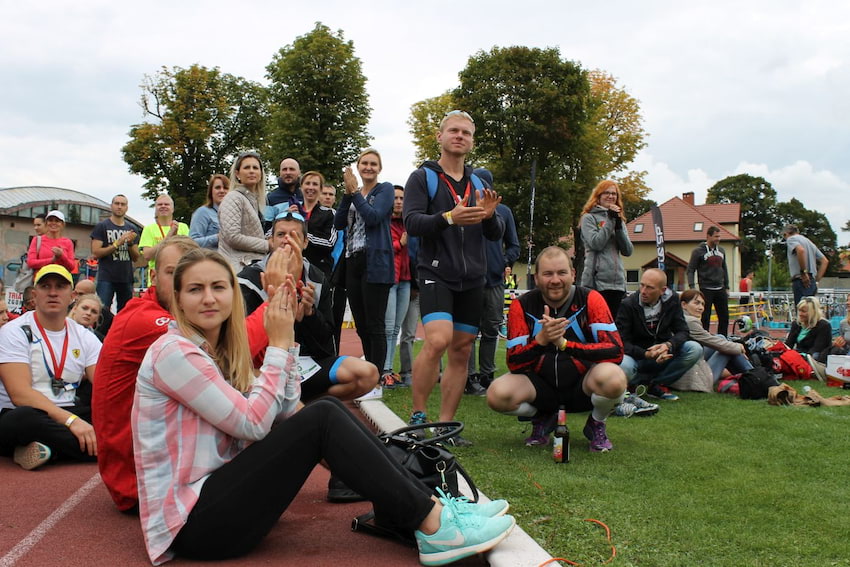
(214, 476)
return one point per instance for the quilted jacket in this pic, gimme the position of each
(240, 239)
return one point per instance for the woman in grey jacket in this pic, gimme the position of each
(605, 238)
(241, 238)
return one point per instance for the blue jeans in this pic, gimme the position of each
(408, 335)
(646, 370)
(800, 291)
(397, 303)
(717, 361)
(122, 292)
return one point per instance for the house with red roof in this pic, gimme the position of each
(684, 224)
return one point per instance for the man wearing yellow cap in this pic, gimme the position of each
(44, 411)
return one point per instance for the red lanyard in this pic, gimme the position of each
(160, 230)
(451, 187)
(57, 370)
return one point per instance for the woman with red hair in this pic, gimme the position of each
(605, 238)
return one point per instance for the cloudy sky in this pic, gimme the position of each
(725, 87)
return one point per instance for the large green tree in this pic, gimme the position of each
(196, 120)
(319, 106)
(530, 107)
(759, 226)
(424, 121)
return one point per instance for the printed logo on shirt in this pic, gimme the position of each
(76, 353)
(162, 321)
(429, 282)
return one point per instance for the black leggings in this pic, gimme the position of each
(368, 303)
(241, 502)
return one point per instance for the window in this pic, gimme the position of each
(697, 227)
(638, 228)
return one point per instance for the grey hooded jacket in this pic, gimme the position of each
(605, 240)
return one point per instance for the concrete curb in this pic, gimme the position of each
(518, 550)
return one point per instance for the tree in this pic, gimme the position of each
(757, 198)
(319, 105)
(200, 119)
(615, 126)
(424, 121)
(530, 108)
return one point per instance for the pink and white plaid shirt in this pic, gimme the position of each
(188, 422)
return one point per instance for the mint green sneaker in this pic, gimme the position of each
(489, 509)
(461, 534)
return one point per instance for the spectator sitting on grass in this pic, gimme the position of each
(563, 350)
(655, 336)
(720, 353)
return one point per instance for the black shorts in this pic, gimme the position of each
(567, 392)
(319, 383)
(462, 308)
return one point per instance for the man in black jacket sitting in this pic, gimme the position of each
(657, 345)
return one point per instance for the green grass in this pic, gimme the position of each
(710, 480)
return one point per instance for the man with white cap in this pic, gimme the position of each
(44, 365)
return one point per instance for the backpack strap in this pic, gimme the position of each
(432, 182)
(476, 182)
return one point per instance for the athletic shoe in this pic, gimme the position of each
(661, 393)
(31, 456)
(418, 418)
(473, 388)
(595, 432)
(489, 509)
(391, 381)
(460, 535)
(339, 492)
(541, 427)
(455, 440)
(633, 404)
(375, 394)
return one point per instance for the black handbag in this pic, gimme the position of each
(426, 459)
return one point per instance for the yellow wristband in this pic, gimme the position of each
(70, 420)
(448, 216)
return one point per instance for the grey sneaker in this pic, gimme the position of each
(633, 404)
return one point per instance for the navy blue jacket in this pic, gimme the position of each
(450, 254)
(376, 210)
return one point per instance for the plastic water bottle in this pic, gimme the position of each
(807, 389)
(561, 446)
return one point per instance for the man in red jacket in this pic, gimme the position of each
(134, 329)
(563, 349)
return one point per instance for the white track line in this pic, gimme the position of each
(44, 527)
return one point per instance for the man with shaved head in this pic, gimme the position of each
(658, 349)
(288, 187)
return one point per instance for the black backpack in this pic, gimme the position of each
(754, 384)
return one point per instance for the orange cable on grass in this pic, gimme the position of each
(607, 535)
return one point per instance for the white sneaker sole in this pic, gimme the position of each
(31, 456)
(452, 555)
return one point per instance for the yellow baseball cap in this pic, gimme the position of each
(54, 269)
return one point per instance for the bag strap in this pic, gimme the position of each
(365, 523)
(38, 245)
(400, 435)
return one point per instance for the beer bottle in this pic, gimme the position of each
(561, 450)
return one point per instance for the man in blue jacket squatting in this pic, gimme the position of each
(452, 212)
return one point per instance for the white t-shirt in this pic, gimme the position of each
(83, 351)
